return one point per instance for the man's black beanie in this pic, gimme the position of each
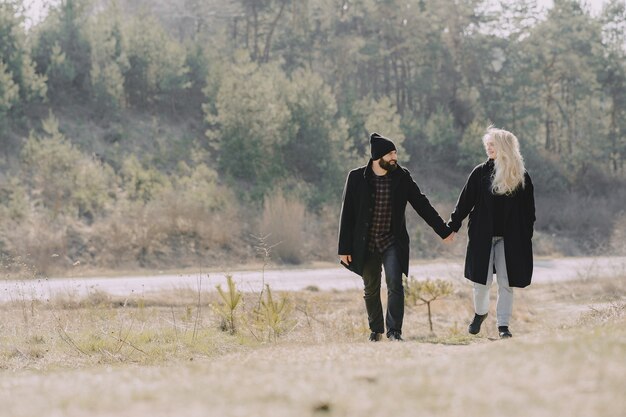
(380, 146)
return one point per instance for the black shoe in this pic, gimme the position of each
(376, 337)
(395, 336)
(474, 326)
(504, 332)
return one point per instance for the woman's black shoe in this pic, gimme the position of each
(504, 332)
(474, 326)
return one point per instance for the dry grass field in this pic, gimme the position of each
(174, 354)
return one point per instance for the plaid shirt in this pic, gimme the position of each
(380, 236)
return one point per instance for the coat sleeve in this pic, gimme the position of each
(426, 211)
(529, 202)
(467, 200)
(347, 217)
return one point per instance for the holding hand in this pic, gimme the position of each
(450, 238)
(346, 259)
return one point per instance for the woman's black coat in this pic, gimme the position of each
(477, 200)
(358, 207)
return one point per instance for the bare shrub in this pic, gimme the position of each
(425, 292)
(618, 237)
(130, 235)
(284, 220)
(16, 267)
(203, 218)
(321, 233)
(588, 221)
(182, 222)
(545, 244)
(39, 242)
(97, 298)
(611, 313)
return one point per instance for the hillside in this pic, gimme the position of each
(140, 134)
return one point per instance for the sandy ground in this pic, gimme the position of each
(338, 278)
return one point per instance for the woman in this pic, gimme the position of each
(498, 197)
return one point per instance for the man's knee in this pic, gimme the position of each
(372, 291)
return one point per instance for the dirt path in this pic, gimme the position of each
(546, 270)
(537, 375)
(557, 364)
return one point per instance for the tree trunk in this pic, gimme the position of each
(255, 17)
(409, 92)
(403, 72)
(613, 135)
(396, 76)
(268, 40)
(386, 76)
(430, 317)
(247, 44)
(235, 21)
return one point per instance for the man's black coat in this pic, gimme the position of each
(358, 207)
(476, 200)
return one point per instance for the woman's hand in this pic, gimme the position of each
(450, 238)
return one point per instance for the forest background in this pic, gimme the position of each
(171, 134)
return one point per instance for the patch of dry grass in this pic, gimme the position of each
(163, 354)
(578, 372)
(183, 324)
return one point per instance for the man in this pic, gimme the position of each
(372, 231)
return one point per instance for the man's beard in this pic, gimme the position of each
(387, 166)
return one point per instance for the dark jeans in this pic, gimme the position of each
(395, 291)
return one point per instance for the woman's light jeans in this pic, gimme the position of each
(504, 305)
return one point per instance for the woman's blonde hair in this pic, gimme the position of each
(509, 163)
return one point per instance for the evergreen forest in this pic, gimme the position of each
(184, 133)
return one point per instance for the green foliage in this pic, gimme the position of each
(61, 49)
(250, 122)
(442, 135)
(14, 201)
(287, 93)
(9, 92)
(62, 179)
(560, 57)
(317, 136)
(272, 315)
(226, 308)
(471, 148)
(61, 72)
(108, 60)
(370, 115)
(199, 186)
(140, 183)
(555, 80)
(19, 84)
(200, 60)
(612, 78)
(156, 63)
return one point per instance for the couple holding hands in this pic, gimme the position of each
(498, 197)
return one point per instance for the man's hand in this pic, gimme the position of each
(450, 238)
(346, 259)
